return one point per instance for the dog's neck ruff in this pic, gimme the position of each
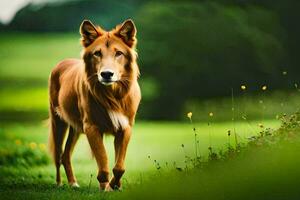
(119, 120)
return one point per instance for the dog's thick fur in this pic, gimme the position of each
(80, 102)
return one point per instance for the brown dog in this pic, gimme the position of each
(97, 94)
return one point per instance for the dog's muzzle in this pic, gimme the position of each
(107, 77)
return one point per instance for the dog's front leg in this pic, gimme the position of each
(95, 139)
(121, 142)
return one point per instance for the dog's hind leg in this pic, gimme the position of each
(57, 134)
(66, 157)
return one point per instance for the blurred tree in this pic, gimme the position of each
(67, 16)
(289, 15)
(197, 50)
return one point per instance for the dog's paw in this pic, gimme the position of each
(59, 184)
(115, 185)
(74, 185)
(105, 187)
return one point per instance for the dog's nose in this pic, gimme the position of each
(107, 74)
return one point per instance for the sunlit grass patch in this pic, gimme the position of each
(33, 56)
(24, 99)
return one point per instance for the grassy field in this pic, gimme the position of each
(33, 171)
(32, 56)
(267, 169)
(27, 172)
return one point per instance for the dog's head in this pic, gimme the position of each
(109, 56)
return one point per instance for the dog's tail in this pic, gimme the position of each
(50, 138)
(57, 133)
(50, 145)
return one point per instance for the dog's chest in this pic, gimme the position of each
(119, 120)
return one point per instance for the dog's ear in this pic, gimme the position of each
(127, 32)
(88, 32)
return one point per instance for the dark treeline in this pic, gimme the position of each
(191, 49)
(62, 16)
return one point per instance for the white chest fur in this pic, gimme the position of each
(118, 120)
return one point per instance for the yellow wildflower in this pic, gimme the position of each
(211, 114)
(189, 115)
(243, 87)
(18, 142)
(264, 87)
(42, 146)
(32, 145)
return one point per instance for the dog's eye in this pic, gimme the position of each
(98, 53)
(119, 53)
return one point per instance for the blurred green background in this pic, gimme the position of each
(189, 52)
(233, 63)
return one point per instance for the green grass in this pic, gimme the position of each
(32, 56)
(267, 171)
(27, 99)
(160, 141)
(267, 168)
(262, 173)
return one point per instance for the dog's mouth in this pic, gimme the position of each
(107, 82)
